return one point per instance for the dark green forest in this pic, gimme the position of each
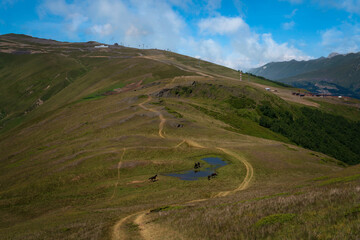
(310, 128)
(315, 130)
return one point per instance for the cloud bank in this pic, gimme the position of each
(351, 6)
(344, 38)
(164, 25)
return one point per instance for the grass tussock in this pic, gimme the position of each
(166, 208)
(275, 219)
(341, 179)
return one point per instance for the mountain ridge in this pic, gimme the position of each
(338, 75)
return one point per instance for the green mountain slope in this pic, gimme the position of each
(337, 75)
(77, 165)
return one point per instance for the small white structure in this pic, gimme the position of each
(267, 89)
(340, 97)
(101, 46)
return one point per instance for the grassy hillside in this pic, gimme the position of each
(290, 213)
(29, 80)
(77, 165)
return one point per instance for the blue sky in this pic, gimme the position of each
(240, 34)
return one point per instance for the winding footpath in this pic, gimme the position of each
(161, 116)
(138, 218)
(248, 177)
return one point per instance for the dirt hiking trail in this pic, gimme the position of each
(161, 116)
(118, 172)
(248, 177)
(150, 231)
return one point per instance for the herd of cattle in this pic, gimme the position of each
(196, 166)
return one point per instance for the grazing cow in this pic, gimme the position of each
(153, 178)
(212, 176)
(197, 165)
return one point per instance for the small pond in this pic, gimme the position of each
(195, 174)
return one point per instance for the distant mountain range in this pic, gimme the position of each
(336, 74)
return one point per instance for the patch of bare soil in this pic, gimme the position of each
(151, 230)
(8, 50)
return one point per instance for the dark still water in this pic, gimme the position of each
(195, 174)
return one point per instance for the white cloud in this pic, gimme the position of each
(343, 39)
(102, 30)
(75, 21)
(212, 5)
(73, 17)
(224, 40)
(351, 6)
(221, 25)
(133, 22)
(280, 52)
(288, 25)
(183, 4)
(5, 3)
(292, 14)
(210, 49)
(259, 49)
(247, 48)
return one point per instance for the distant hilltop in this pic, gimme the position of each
(334, 54)
(338, 74)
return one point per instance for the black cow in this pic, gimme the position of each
(212, 176)
(153, 178)
(197, 165)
